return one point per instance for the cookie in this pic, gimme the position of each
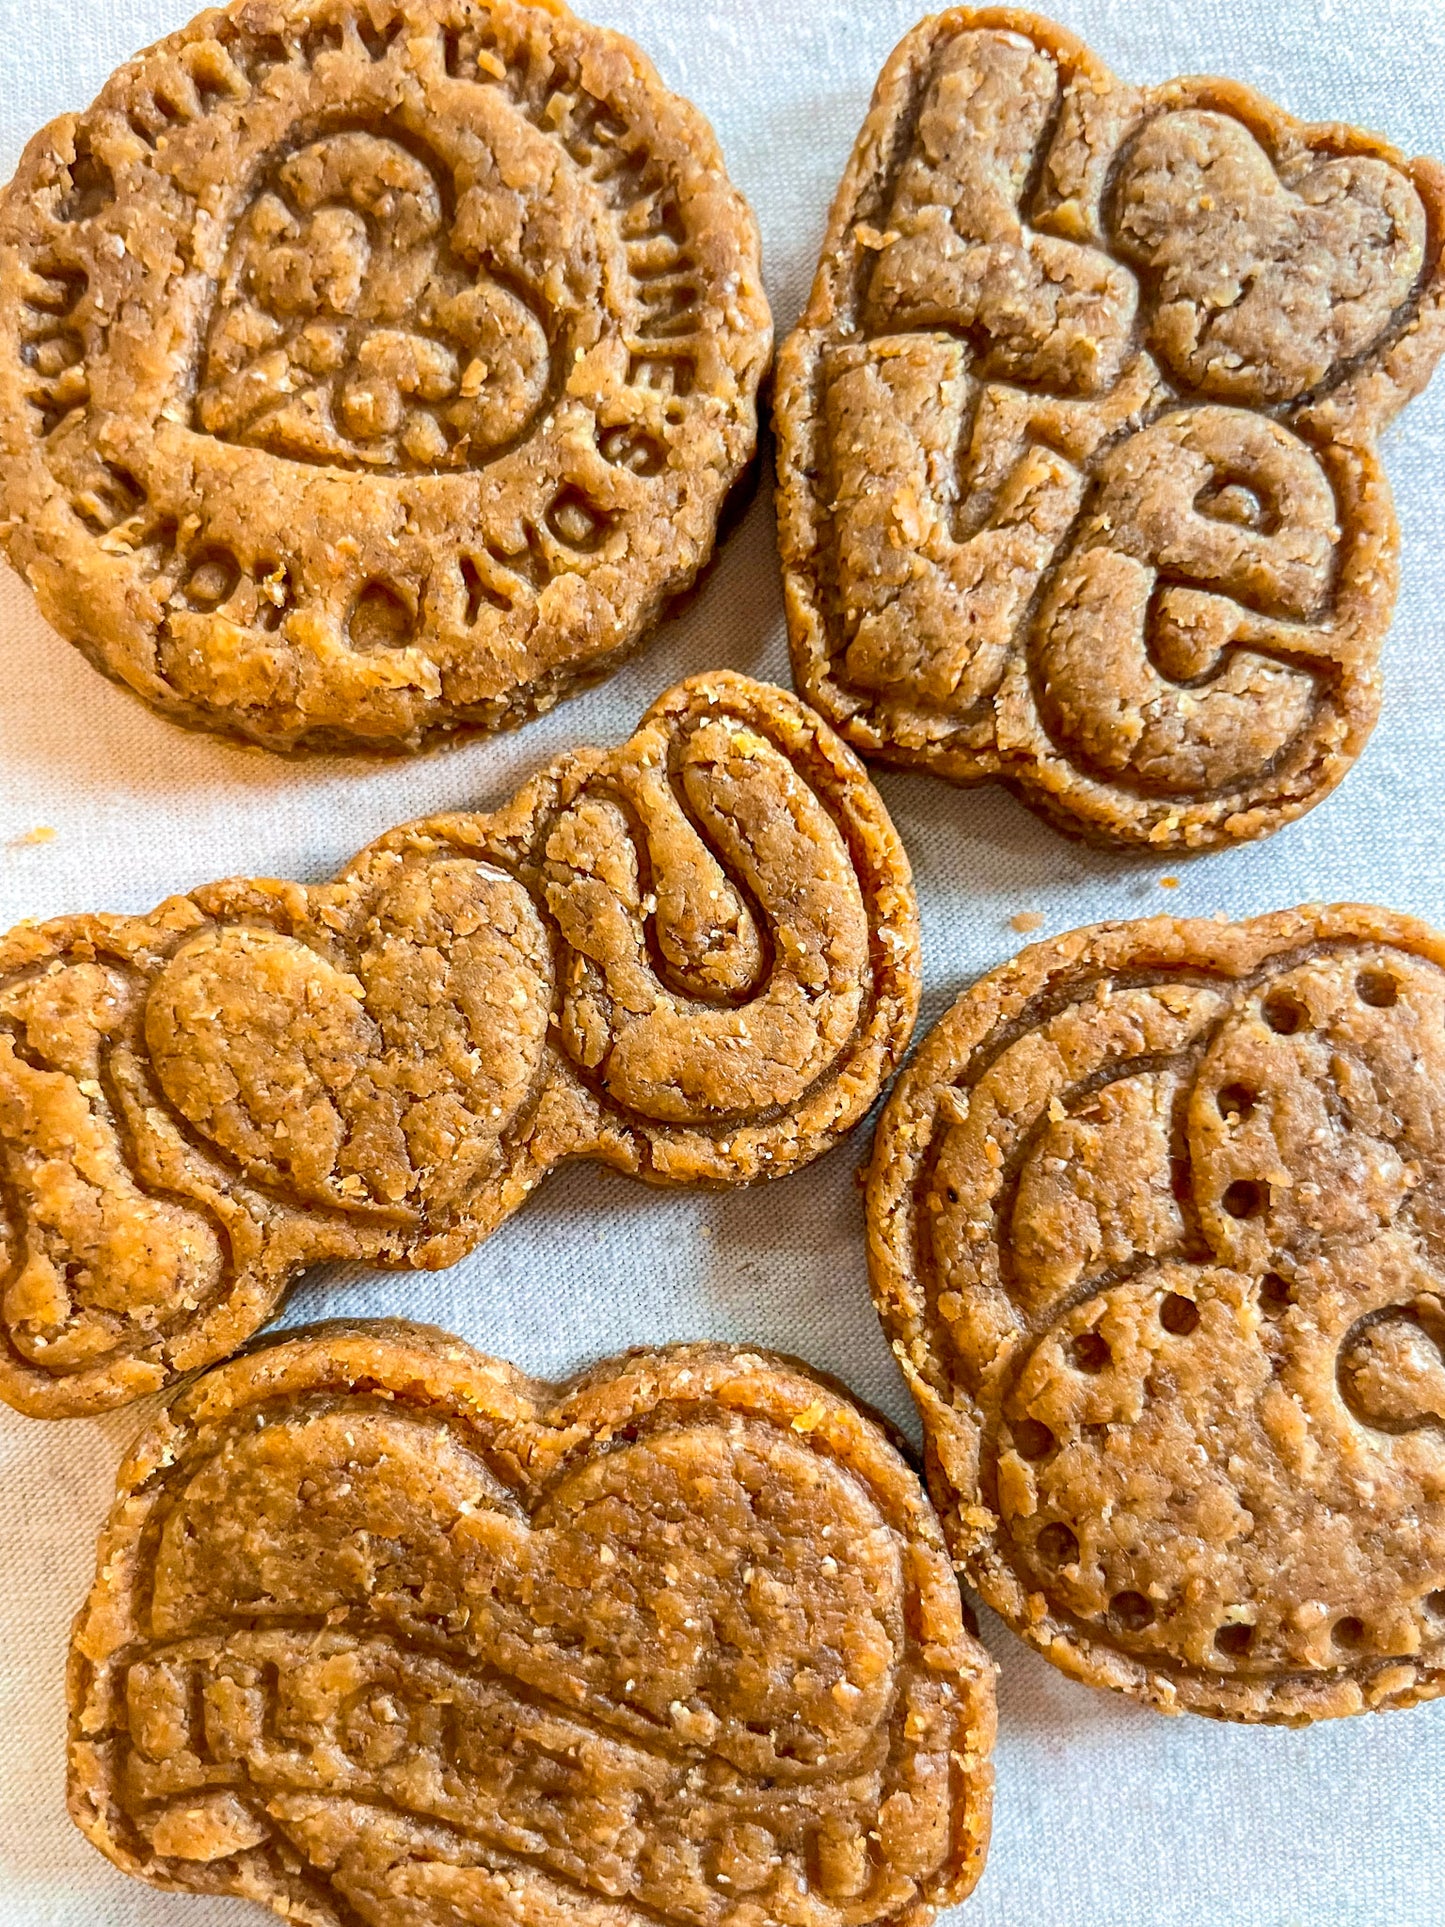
(383, 1631)
(693, 958)
(372, 368)
(1157, 1230)
(1078, 479)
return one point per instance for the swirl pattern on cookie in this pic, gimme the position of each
(1078, 480)
(384, 1632)
(369, 371)
(694, 958)
(1157, 1230)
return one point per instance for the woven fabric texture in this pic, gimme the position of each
(1108, 1815)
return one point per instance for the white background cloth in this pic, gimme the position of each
(1108, 1815)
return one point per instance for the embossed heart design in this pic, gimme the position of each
(692, 957)
(1263, 283)
(390, 1085)
(1182, 1230)
(348, 330)
(397, 1634)
(1078, 474)
(442, 334)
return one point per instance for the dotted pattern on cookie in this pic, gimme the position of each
(1155, 1223)
(1078, 483)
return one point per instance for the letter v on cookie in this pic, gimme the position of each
(1078, 479)
(693, 958)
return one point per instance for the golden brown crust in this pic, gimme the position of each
(1156, 1231)
(382, 1630)
(1078, 481)
(693, 958)
(372, 368)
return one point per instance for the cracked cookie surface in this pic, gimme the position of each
(1157, 1231)
(371, 369)
(693, 958)
(384, 1632)
(1078, 480)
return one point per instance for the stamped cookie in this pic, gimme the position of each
(1157, 1229)
(693, 958)
(383, 1631)
(1078, 480)
(372, 368)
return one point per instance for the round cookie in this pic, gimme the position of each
(382, 1630)
(372, 368)
(1157, 1231)
(1078, 482)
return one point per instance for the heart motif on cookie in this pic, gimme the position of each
(383, 1630)
(443, 329)
(1039, 287)
(1260, 288)
(384, 1079)
(348, 331)
(1177, 1301)
(693, 957)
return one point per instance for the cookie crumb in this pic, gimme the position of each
(42, 834)
(1168, 883)
(1025, 920)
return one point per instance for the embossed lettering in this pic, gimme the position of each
(1037, 273)
(443, 1680)
(699, 946)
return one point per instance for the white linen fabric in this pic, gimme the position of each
(1107, 1815)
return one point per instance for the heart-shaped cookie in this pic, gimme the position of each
(1077, 478)
(693, 957)
(384, 1632)
(1157, 1230)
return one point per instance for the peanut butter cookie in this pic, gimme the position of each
(1157, 1229)
(1078, 480)
(693, 958)
(383, 1631)
(372, 368)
